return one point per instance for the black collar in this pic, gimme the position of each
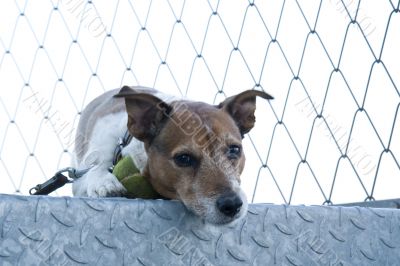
(122, 143)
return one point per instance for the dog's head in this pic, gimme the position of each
(195, 149)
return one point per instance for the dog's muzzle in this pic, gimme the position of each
(229, 204)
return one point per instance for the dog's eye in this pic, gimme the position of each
(184, 160)
(234, 152)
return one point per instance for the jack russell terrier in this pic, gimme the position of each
(189, 151)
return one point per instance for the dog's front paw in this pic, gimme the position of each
(106, 186)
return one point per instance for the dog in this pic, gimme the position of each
(189, 151)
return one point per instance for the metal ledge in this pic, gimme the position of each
(390, 203)
(39, 230)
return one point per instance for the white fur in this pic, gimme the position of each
(99, 182)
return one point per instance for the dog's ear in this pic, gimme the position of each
(241, 107)
(125, 91)
(146, 113)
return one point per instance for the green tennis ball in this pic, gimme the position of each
(137, 186)
(125, 167)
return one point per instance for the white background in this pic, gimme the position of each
(55, 56)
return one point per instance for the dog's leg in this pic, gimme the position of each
(98, 181)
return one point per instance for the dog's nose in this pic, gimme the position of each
(229, 204)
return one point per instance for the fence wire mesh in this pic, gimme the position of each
(331, 135)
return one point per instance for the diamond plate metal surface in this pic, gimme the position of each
(40, 230)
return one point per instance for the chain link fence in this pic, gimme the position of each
(330, 136)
